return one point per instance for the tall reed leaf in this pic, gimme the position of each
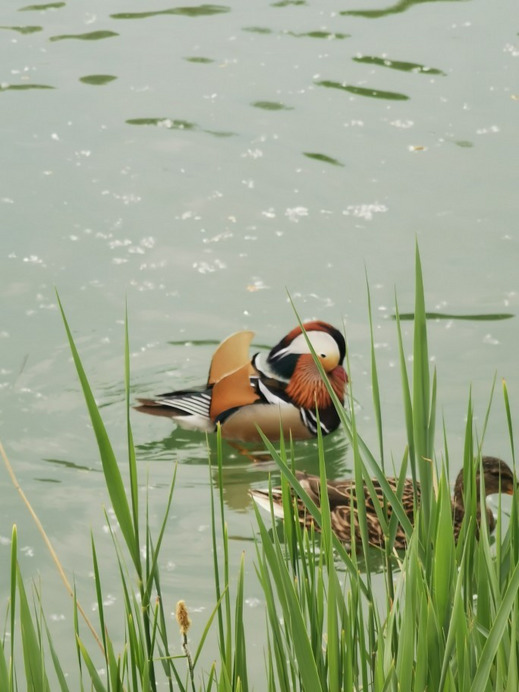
(111, 471)
(35, 674)
(423, 418)
(499, 626)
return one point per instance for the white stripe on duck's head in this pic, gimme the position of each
(327, 342)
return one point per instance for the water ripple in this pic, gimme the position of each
(89, 36)
(323, 158)
(398, 65)
(271, 106)
(398, 7)
(97, 79)
(23, 29)
(363, 91)
(203, 61)
(327, 35)
(42, 8)
(197, 11)
(23, 87)
(482, 317)
(175, 124)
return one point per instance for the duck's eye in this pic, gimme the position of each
(323, 355)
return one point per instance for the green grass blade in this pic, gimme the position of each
(406, 393)
(111, 471)
(206, 630)
(499, 626)
(423, 434)
(14, 564)
(36, 677)
(240, 648)
(4, 671)
(293, 616)
(152, 572)
(312, 509)
(509, 420)
(94, 675)
(55, 660)
(132, 463)
(375, 383)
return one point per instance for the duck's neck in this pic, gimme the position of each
(458, 508)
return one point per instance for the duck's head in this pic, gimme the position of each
(498, 476)
(327, 342)
(292, 361)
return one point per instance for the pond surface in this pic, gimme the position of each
(198, 162)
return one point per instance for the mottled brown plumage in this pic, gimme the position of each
(343, 501)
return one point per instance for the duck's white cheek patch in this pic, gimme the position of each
(323, 344)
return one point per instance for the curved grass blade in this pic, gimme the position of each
(132, 463)
(313, 510)
(488, 653)
(111, 471)
(374, 467)
(4, 673)
(94, 675)
(35, 674)
(55, 658)
(14, 562)
(292, 614)
(509, 420)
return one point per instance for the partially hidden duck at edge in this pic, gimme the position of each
(285, 387)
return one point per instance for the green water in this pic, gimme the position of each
(199, 161)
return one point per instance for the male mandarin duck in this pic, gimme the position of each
(284, 387)
(342, 494)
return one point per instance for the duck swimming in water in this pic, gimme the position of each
(342, 494)
(283, 388)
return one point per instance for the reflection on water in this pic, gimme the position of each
(23, 29)
(89, 36)
(175, 124)
(319, 34)
(327, 35)
(258, 29)
(42, 8)
(198, 11)
(401, 6)
(24, 87)
(286, 3)
(202, 61)
(323, 158)
(238, 479)
(362, 91)
(97, 79)
(271, 106)
(376, 562)
(483, 317)
(244, 465)
(71, 465)
(399, 65)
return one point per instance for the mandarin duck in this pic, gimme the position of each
(283, 388)
(342, 495)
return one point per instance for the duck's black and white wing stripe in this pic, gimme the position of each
(195, 403)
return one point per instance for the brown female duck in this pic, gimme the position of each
(342, 497)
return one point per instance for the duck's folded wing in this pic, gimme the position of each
(233, 391)
(182, 403)
(231, 355)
